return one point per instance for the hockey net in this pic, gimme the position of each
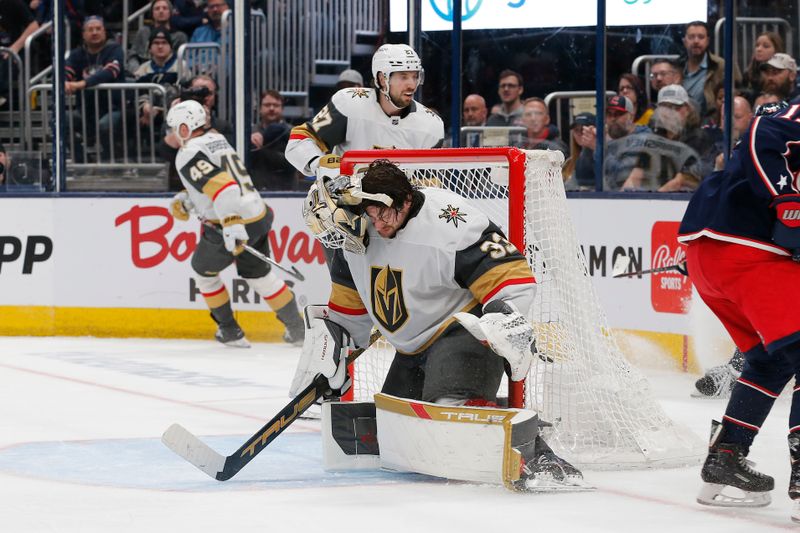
(601, 408)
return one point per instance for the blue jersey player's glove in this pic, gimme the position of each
(786, 232)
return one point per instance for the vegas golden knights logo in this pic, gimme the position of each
(387, 297)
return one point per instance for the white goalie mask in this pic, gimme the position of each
(334, 226)
(391, 58)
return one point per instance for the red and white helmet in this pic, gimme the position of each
(396, 58)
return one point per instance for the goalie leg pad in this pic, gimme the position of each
(349, 436)
(464, 443)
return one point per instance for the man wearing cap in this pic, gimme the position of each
(579, 168)
(161, 68)
(349, 78)
(653, 161)
(704, 71)
(778, 76)
(619, 117)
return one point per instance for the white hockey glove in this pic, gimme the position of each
(506, 331)
(324, 352)
(181, 206)
(234, 234)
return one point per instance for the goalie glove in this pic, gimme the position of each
(181, 206)
(234, 234)
(506, 331)
(324, 352)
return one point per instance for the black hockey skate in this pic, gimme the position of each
(794, 479)
(231, 335)
(727, 467)
(295, 332)
(718, 381)
(547, 472)
(295, 335)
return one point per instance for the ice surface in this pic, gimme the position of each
(80, 451)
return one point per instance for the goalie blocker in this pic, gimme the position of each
(476, 444)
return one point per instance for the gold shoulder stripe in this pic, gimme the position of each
(345, 297)
(217, 183)
(493, 278)
(303, 131)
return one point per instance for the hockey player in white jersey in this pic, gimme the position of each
(220, 192)
(386, 116)
(427, 268)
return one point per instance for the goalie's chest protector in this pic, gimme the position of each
(369, 127)
(407, 283)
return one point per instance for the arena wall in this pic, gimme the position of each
(120, 267)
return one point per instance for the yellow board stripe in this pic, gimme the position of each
(40, 321)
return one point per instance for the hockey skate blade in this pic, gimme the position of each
(543, 484)
(795, 516)
(239, 343)
(712, 494)
(183, 443)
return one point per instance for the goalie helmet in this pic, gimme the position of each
(188, 112)
(334, 226)
(395, 58)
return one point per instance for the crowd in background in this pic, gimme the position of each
(668, 142)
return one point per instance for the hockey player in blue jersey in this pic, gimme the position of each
(742, 228)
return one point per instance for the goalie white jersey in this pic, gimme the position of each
(354, 120)
(217, 182)
(449, 257)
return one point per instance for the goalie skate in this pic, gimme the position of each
(547, 472)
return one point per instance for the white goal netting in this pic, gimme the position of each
(602, 410)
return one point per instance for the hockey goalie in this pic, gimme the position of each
(450, 293)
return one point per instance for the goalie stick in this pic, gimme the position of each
(292, 272)
(623, 262)
(222, 468)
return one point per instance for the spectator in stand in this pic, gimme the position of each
(664, 72)
(653, 160)
(579, 168)
(765, 98)
(187, 15)
(160, 12)
(619, 117)
(704, 71)
(474, 111)
(269, 168)
(509, 111)
(16, 24)
(349, 78)
(767, 45)
(541, 135)
(98, 60)
(704, 141)
(211, 32)
(631, 87)
(161, 68)
(778, 75)
(201, 88)
(742, 115)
